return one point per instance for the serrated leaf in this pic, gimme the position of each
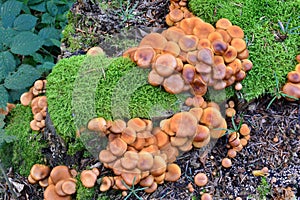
(3, 96)
(41, 7)
(47, 19)
(52, 8)
(25, 22)
(7, 35)
(9, 10)
(24, 77)
(26, 43)
(7, 64)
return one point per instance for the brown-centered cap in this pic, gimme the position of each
(184, 124)
(241, 75)
(211, 117)
(39, 171)
(226, 162)
(60, 172)
(174, 84)
(236, 65)
(203, 43)
(191, 57)
(214, 36)
(246, 65)
(219, 71)
(230, 54)
(294, 77)
(243, 55)
(128, 135)
(188, 43)
(117, 126)
(145, 161)
(147, 182)
(219, 47)
(88, 178)
(105, 156)
(172, 48)
(155, 40)
(188, 73)
(202, 133)
(226, 37)
(200, 179)
(139, 142)
(159, 166)
(173, 172)
(69, 187)
(223, 23)
(162, 138)
(228, 73)
(206, 55)
(244, 130)
(235, 32)
(129, 160)
(154, 78)
(165, 64)
(176, 15)
(231, 153)
(50, 194)
(239, 44)
(202, 30)
(143, 56)
(199, 87)
(118, 147)
(174, 34)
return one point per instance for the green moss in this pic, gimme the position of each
(26, 149)
(83, 193)
(259, 20)
(81, 88)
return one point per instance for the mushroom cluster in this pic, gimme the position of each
(59, 182)
(194, 55)
(37, 103)
(292, 87)
(178, 12)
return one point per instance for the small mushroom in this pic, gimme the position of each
(154, 78)
(173, 172)
(118, 147)
(202, 30)
(69, 187)
(130, 160)
(206, 196)
(231, 153)
(226, 162)
(26, 98)
(88, 178)
(136, 124)
(223, 23)
(294, 77)
(206, 55)
(144, 56)
(239, 44)
(219, 47)
(184, 124)
(235, 32)
(188, 43)
(97, 124)
(106, 184)
(145, 161)
(165, 64)
(174, 84)
(106, 156)
(159, 166)
(230, 54)
(200, 179)
(39, 172)
(117, 126)
(95, 51)
(128, 135)
(176, 15)
(155, 40)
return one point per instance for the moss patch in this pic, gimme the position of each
(80, 88)
(26, 149)
(259, 20)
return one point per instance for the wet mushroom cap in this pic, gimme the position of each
(145, 161)
(26, 98)
(118, 147)
(88, 178)
(226, 162)
(174, 84)
(39, 171)
(155, 40)
(202, 30)
(184, 124)
(154, 78)
(144, 56)
(223, 23)
(239, 44)
(235, 32)
(173, 172)
(188, 43)
(200, 179)
(292, 89)
(176, 15)
(165, 64)
(294, 77)
(69, 187)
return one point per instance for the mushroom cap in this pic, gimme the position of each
(147, 182)
(202, 30)
(235, 32)
(211, 117)
(145, 161)
(106, 184)
(203, 43)
(38, 85)
(201, 67)
(238, 86)
(214, 36)
(239, 44)
(230, 54)
(69, 187)
(298, 58)
(128, 135)
(117, 126)
(117, 147)
(199, 87)
(174, 84)
(236, 65)
(188, 24)
(202, 133)
(226, 162)
(159, 166)
(26, 98)
(206, 196)
(174, 34)
(244, 130)
(206, 55)
(139, 142)
(200, 179)
(165, 64)
(246, 65)
(178, 141)
(44, 182)
(176, 15)
(39, 172)
(131, 177)
(188, 43)
(172, 48)
(231, 153)
(219, 47)
(294, 77)
(170, 152)
(243, 141)
(97, 124)
(218, 60)
(42, 102)
(229, 73)
(31, 180)
(219, 71)
(152, 188)
(129, 160)
(106, 156)
(226, 37)
(155, 40)
(184, 124)
(191, 57)
(130, 53)
(50, 194)
(220, 130)
(162, 138)
(154, 78)
(223, 23)
(88, 178)
(241, 75)
(173, 172)
(188, 73)
(230, 112)
(197, 112)
(143, 56)
(243, 55)
(137, 124)
(95, 51)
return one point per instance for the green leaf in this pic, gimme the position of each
(22, 78)
(7, 35)
(2, 123)
(47, 19)
(25, 22)
(38, 58)
(45, 67)
(52, 8)
(3, 96)
(16, 94)
(55, 42)
(41, 7)
(26, 43)
(9, 10)
(7, 64)
(6, 138)
(33, 2)
(48, 34)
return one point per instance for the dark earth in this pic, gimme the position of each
(281, 121)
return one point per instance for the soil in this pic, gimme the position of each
(281, 121)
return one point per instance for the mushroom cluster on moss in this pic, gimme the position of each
(292, 87)
(38, 103)
(194, 55)
(59, 182)
(178, 12)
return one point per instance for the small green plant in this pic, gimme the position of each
(3, 137)
(127, 10)
(279, 93)
(263, 189)
(132, 190)
(287, 30)
(29, 43)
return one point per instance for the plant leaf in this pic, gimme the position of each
(47, 19)
(24, 77)
(2, 123)
(7, 64)
(52, 8)
(16, 94)
(7, 35)
(38, 7)
(25, 22)
(48, 34)
(9, 10)
(45, 67)
(26, 43)
(3, 97)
